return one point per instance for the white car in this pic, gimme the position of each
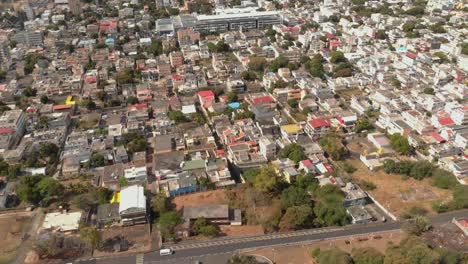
(165, 252)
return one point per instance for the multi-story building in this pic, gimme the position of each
(12, 127)
(267, 148)
(5, 58)
(31, 38)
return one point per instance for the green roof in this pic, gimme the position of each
(193, 165)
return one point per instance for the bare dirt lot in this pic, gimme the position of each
(397, 193)
(11, 230)
(201, 198)
(300, 254)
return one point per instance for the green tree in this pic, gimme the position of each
(416, 226)
(294, 196)
(337, 57)
(132, 100)
(363, 124)
(92, 236)
(381, 35)
(296, 217)
(97, 160)
(443, 179)
(101, 195)
(294, 152)
(460, 197)
(367, 255)
(279, 62)
(44, 99)
(122, 182)
(232, 97)
(400, 144)
(257, 63)
(167, 223)
(267, 181)
(177, 116)
(202, 227)
(249, 76)
(88, 104)
(429, 91)
(160, 203)
(332, 256)
(331, 143)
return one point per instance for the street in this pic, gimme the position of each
(217, 251)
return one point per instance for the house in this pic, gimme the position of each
(132, 207)
(178, 183)
(206, 98)
(354, 195)
(317, 127)
(462, 224)
(307, 166)
(359, 214)
(216, 214)
(267, 148)
(65, 222)
(136, 175)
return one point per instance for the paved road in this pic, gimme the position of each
(219, 249)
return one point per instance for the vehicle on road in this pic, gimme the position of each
(166, 251)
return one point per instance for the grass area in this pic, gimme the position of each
(347, 94)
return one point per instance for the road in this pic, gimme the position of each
(221, 248)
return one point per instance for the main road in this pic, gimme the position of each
(185, 252)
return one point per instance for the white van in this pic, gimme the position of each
(165, 252)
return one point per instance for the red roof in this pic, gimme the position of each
(446, 121)
(329, 168)
(138, 106)
(306, 162)
(411, 55)
(319, 122)
(437, 136)
(61, 107)
(207, 93)
(262, 100)
(5, 130)
(463, 222)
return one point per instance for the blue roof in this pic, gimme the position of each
(234, 105)
(110, 40)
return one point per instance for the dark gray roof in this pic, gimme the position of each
(206, 211)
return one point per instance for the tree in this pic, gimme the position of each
(249, 76)
(296, 217)
(2, 75)
(101, 195)
(202, 227)
(443, 179)
(396, 83)
(37, 190)
(332, 256)
(347, 72)
(177, 116)
(331, 143)
(442, 57)
(88, 104)
(277, 63)
(122, 182)
(348, 168)
(409, 26)
(381, 35)
(337, 57)
(367, 255)
(267, 181)
(294, 196)
(232, 97)
(315, 66)
(156, 48)
(363, 124)
(44, 99)
(167, 223)
(460, 197)
(292, 103)
(294, 152)
(400, 144)
(429, 91)
(160, 204)
(97, 160)
(91, 235)
(132, 100)
(257, 63)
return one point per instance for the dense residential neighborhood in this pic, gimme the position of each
(153, 131)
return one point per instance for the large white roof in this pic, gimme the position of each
(132, 197)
